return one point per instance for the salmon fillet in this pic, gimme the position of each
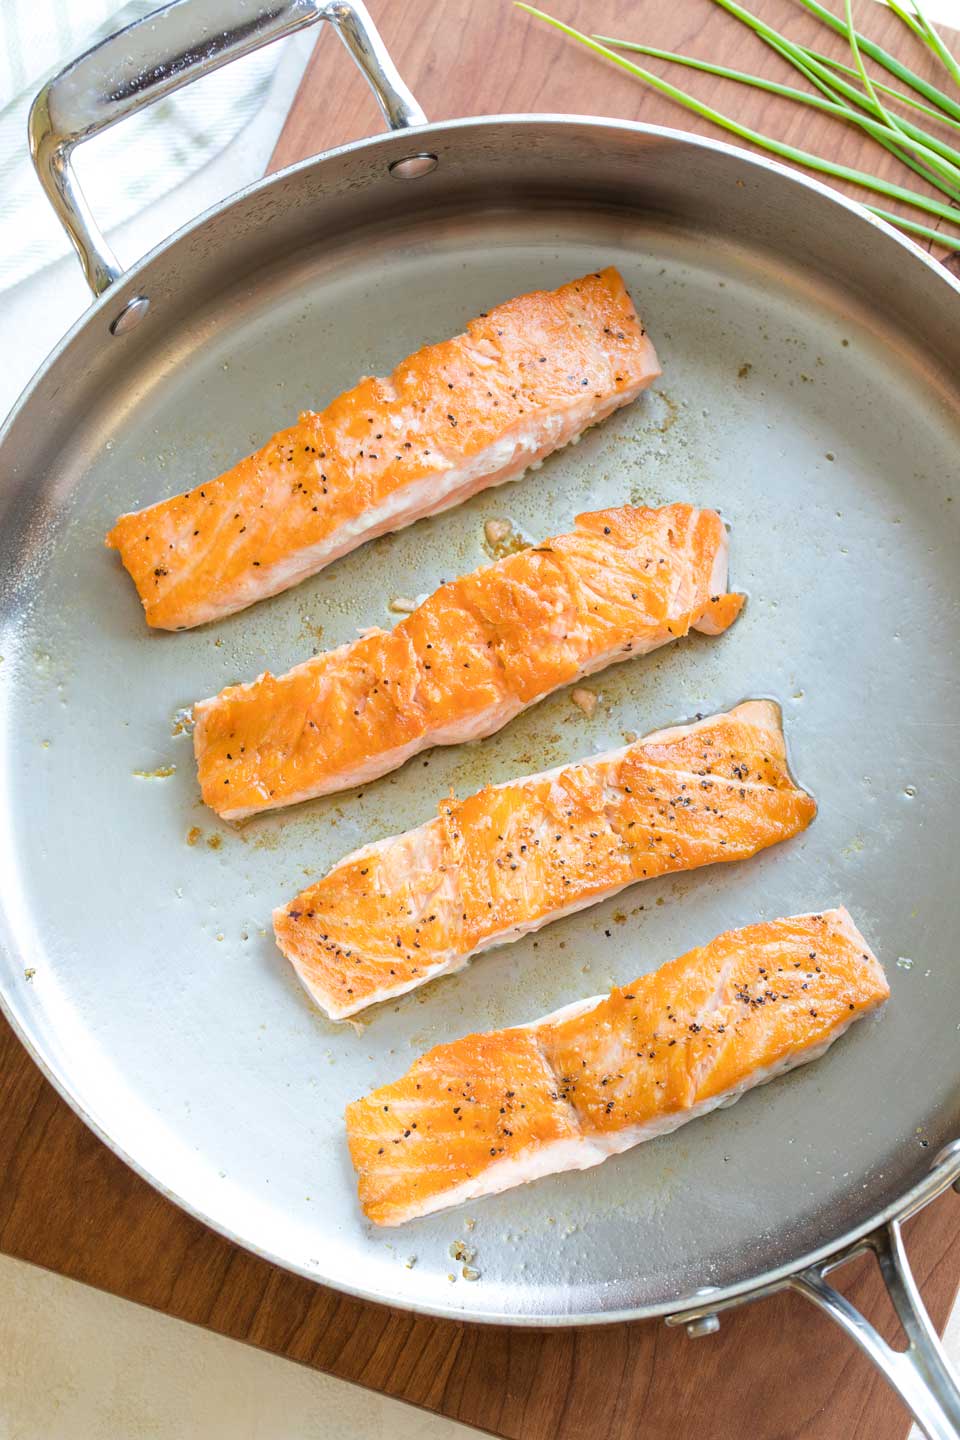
(474, 411)
(492, 1111)
(514, 857)
(470, 658)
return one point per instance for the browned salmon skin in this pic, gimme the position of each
(470, 658)
(513, 857)
(492, 1111)
(474, 411)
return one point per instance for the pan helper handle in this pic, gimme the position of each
(920, 1373)
(156, 56)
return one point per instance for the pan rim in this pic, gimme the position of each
(72, 1093)
(120, 290)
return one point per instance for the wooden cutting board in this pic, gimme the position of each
(775, 1370)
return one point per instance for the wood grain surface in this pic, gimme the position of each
(776, 1371)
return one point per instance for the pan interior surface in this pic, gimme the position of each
(140, 961)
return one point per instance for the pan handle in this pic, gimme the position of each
(920, 1373)
(155, 56)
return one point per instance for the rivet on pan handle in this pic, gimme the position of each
(920, 1374)
(154, 57)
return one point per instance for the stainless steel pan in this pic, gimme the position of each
(811, 363)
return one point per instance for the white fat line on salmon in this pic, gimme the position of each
(583, 1152)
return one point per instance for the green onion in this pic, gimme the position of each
(885, 135)
(951, 242)
(908, 20)
(816, 72)
(764, 142)
(858, 61)
(933, 41)
(899, 95)
(889, 62)
(949, 171)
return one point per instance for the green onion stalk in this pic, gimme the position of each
(927, 155)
